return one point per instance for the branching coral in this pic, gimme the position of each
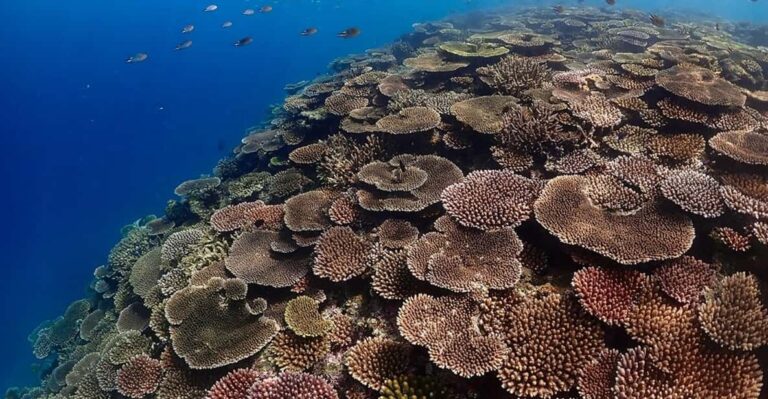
(491, 199)
(512, 75)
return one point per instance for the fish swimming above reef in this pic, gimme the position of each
(265, 9)
(244, 41)
(309, 31)
(211, 8)
(136, 58)
(184, 45)
(610, 2)
(558, 9)
(349, 33)
(657, 20)
(226, 24)
(249, 11)
(188, 28)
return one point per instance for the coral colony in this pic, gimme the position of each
(541, 204)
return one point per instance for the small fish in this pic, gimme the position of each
(309, 31)
(188, 28)
(227, 24)
(136, 58)
(244, 41)
(610, 2)
(657, 20)
(717, 26)
(349, 33)
(211, 8)
(249, 11)
(265, 9)
(558, 9)
(184, 45)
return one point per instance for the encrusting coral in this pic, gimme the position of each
(541, 203)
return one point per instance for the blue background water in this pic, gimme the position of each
(90, 144)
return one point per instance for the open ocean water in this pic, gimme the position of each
(91, 144)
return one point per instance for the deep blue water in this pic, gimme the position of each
(90, 143)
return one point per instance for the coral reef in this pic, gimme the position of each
(567, 203)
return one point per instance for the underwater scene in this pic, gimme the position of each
(372, 199)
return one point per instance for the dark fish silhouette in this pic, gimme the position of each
(558, 9)
(184, 45)
(349, 33)
(136, 58)
(610, 2)
(309, 31)
(657, 20)
(244, 41)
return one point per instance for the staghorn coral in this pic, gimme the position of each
(397, 233)
(491, 199)
(733, 315)
(649, 234)
(513, 74)
(345, 156)
(227, 334)
(596, 380)
(746, 193)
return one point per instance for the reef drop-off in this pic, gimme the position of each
(566, 203)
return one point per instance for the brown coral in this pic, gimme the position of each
(308, 154)
(373, 361)
(409, 120)
(733, 315)
(397, 233)
(247, 214)
(651, 233)
(596, 380)
(252, 259)
(609, 294)
(340, 254)
(307, 211)
(550, 340)
(463, 259)
(700, 85)
(514, 74)
(208, 335)
(747, 147)
(235, 384)
(685, 278)
(139, 377)
(292, 385)
(303, 317)
(695, 192)
(491, 199)
(484, 114)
